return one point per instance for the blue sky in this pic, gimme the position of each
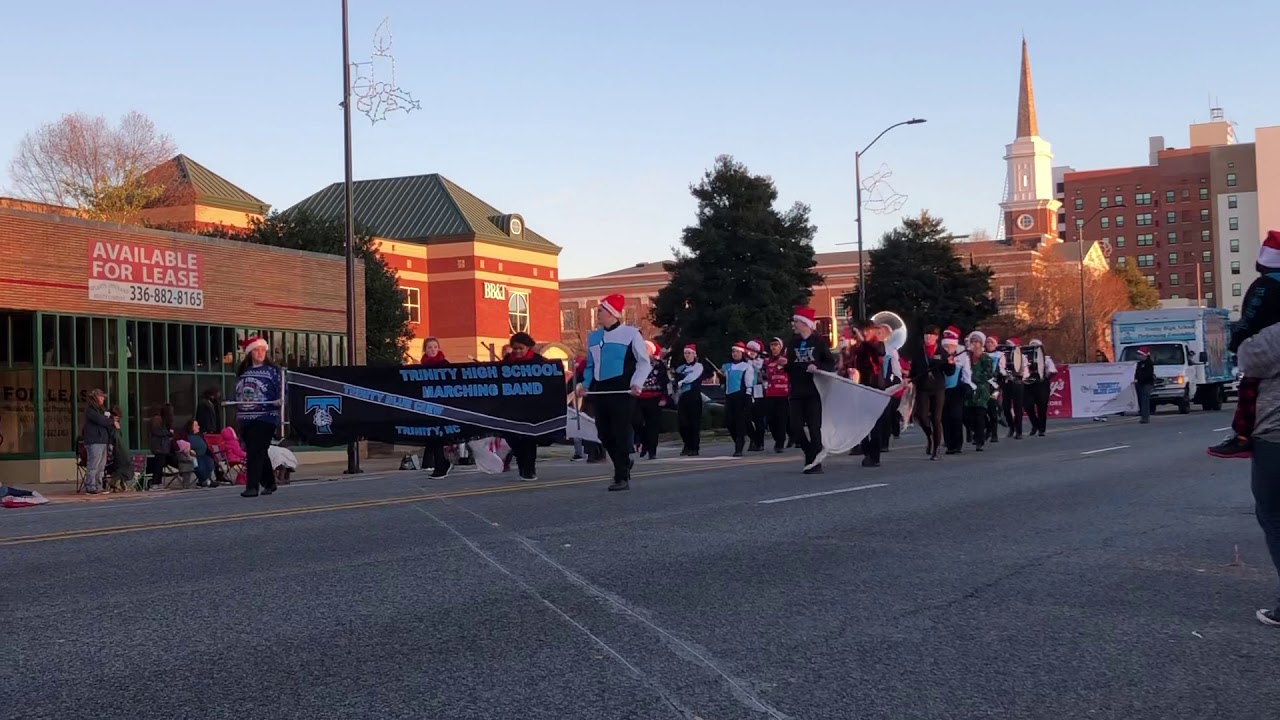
(592, 118)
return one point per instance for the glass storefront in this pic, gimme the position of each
(142, 365)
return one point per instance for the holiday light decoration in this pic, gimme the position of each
(879, 197)
(374, 87)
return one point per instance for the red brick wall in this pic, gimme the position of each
(44, 265)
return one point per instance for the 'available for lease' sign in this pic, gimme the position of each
(140, 274)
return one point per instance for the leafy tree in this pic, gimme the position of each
(82, 161)
(387, 332)
(743, 267)
(918, 274)
(1141, 295)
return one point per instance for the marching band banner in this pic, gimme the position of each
(1092, 389)
(336, 405)
(849, 411)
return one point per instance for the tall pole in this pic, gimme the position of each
(353, 451)
(862, 279)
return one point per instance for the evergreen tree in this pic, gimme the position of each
(919, 273)
(1141, 295)
(743, 267)
(387, 332)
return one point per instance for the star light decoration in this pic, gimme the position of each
(374, 88)
(879, 197)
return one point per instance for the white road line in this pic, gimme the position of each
(1222, 429)
(1102, 450)
(820, 494)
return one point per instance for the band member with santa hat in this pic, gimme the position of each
(808, 352)
(648, 420)
(1014, 389)
(759, 412)
(259, 396)
(617, 365)
(777, 387)
(958, 385)
(688, 382)
(738, 376)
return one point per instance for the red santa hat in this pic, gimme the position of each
(951, 333)
(993, 338)
(1269, 253)
(755, 346)
(1144, 350)
(614, 305)
(251, 343)
(691, 348)
(807, 316)
(740, 347)
(1015, 341)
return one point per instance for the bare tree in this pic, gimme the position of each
(82, 161)
(1051, 310)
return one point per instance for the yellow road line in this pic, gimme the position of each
(353, 505)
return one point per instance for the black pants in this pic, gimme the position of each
(895, 419)
(613, 424)
(875, 441)
(525, 450)
(1266, 495)
(257, 440)
(433, 456)
(806, 424)
(1014, 400)
(977, 417)
(689, 416)
(993, 420)
(779, 412)
(737, 418)
(953, 419)
(928, 414)
(648, 421)
(1036, 402)
(759, 422)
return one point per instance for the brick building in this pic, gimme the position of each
(150, 317)
(470, 274)
(194, 198)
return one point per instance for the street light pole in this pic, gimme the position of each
(353, 450)
(857, 173)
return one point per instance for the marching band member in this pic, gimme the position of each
(759, 412)
(617, 365)
(1016, 375)
(993, 407)
(929, 374)
(807, 353)
(1040, 371)
(958, 385)
(869, 364)
(739, 378)
(776, 389)
(523, 447)
(688, 383)
(648, 420)
(982, 373)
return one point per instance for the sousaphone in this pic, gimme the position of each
(897, 330)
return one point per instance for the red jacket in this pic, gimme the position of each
(439, 359)
(777, 384)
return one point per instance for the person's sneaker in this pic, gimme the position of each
(868, 462)
(442, 473)
(778, 451)
(1232, 447)
(575, 458)
(653, 455)
(619, 485)
(1270, 618)
(737, 453)
(268, 490)
(249, 493)
(815, 470)
(529, 478)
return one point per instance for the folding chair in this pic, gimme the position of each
(82, 465)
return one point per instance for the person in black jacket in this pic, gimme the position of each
(96, 436)
(929, 370)
(1144, 380)
(524, 447)
(807, 352)
(209, 411)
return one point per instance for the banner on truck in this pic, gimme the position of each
(1092, 389)
(336, 405)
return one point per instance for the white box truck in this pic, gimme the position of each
(1188, 347)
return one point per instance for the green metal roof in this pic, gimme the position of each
(419, 208)
(212, 189)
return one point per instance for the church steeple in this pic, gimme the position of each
(1027, 126)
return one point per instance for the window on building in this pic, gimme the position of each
(1119, 199)
(1174, 279)
(518, 311)
(1144, 220)
(1204, 215)
(1174, 296)
(1207, 276)
(1231, 179)
(1142, 199)
(1235, 267)
(1119, 221)
(1235, 290)
(1171, 217)
(1233, 223)
(1106, 223)
(1104, 201)
(1008, 294)
(1206, 236)
(1146, 261)
(1119, 241)
(1079, 203)
(1151, 280)
(1233, 202)
(1122, 261)
(1206, 256)
(1235, 244)
(1186, 194)
(1146, 240)
(1171, 238)
(1208, 296)
(1170, 196)
(1173, 258)
(1079, 223)
(1204, 193)
(569, 320)
(411, 299)
(1062, 188)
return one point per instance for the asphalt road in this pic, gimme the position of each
(1089, 574)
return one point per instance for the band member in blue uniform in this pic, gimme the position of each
(617, 365)
(739, 379)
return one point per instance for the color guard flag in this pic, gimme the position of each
(849, 411)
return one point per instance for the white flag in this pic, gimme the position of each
(581, 426)
(849, 411)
